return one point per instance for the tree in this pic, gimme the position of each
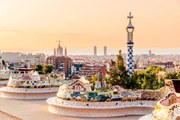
(161, 83)
(38, 67)
(134, 82)
(172, 75)
(178, 75)
(147, 79)
(47, 68)
(154, 69)
(144, 84)
(93, 79)
(118, 73)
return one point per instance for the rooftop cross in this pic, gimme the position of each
(130, 17)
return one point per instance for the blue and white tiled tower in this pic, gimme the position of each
(130, 43)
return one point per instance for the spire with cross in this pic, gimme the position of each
(130, 17)
(130, 23)
(130, 43)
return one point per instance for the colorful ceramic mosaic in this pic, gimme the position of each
(32, 80)
(168, 108)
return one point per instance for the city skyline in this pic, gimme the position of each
(110, 51)
(27, 26)
(89, 59)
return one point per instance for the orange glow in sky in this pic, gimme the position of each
(27, 25)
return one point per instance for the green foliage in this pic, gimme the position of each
(38, 67)
(154, 69)
(43, 69)
(103, 89)
(118, 73)
(172, 75)
(161, 83)
(47, 68)
(92, 87)
(93, 79)
(178, 75)
(131, 82)
(53, 76)
(40, 72)
(148, 79)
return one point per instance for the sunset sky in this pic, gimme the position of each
(37, 25)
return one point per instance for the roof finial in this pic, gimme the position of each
(130, 17)
(130, 23)
(59, 43)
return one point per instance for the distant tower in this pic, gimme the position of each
(1, 65)
(150, 52)
(95, 51)
(54, 51)
(130, 43)
(59, 50)
(65, 52)
(105, 50)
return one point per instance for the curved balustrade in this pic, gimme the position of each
(99, 109)
(28, 93)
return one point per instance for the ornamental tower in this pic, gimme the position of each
(130, 43)
(59, 49)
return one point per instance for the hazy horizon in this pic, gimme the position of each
(110, 51)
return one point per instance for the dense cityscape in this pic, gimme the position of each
(93, 78)
(91, 86)
(77, 63)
